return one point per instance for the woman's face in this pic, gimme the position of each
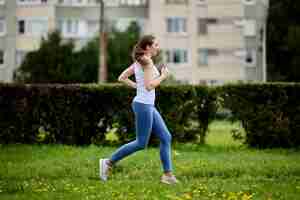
(154, 48)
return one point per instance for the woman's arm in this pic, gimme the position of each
(148, 71)
(124, 77)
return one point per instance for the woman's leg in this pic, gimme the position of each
(143, 126)
(161, 131)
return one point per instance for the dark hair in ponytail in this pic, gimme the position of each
(140, 47)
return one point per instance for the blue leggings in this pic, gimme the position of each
(147, 120)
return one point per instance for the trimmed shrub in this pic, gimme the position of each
(84, 113)
(270, 113)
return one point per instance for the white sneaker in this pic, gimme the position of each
(169, 179)
(104, 169)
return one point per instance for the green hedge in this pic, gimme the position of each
(270, 113)
(84, 113)
(188, 110)
(90, 113)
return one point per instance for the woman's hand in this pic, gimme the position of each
(123, 78)
(165, 72)
(145, 61)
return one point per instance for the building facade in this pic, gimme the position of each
(204, 41)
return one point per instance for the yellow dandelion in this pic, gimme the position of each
(187, 196)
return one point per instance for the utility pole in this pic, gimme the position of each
(102, 72)
(266, 10)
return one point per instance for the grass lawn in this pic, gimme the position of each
(222, 169)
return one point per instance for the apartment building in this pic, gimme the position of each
(211, 41)
(204, 41)
(7, 39)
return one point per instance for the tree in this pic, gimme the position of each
(283, 40)
(54, 62)
(45, 64)
(87, 59)
(57, 61)
(120, 45)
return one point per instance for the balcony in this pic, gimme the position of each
(108, 3)
(32, 2)
(89, 9)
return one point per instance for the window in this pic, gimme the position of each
(211, 20)
(177, 2)
(34, 27)
(20, 56)
(21, 26)
(123, 23)
(71, 27)
(203, 25)
(239, 53)
(109, 3)
(214, 82)
(239, 22)
(176, 25)
(250, 28)
(169, 56)
(201, 2)
(72, 2)
(204, 54)
(2, 27)
(78, 2)
(1, 59)
(212, 52)
(203, 82)
(32, 1)
(177, 56)
(92, 2)
(93, 27)
(249, 2)
(37, 27)
(202, 57)
(131, 2)
(250, 58)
